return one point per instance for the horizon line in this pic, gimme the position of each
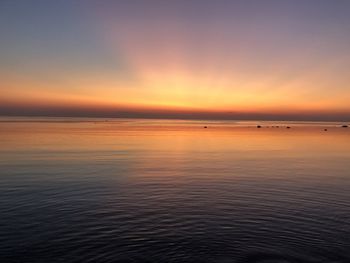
(157, 112)
(184, 116)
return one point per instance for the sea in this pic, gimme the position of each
(139, 190)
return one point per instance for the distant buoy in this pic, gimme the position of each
(205, 127)
(345, 126)
(258, 126)
(325, 130)
(288, 127)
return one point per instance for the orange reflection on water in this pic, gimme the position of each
(166, 139)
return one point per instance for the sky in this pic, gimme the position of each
(209, 59)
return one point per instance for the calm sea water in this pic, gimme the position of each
(88, 190)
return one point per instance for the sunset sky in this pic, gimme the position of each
(244, 59)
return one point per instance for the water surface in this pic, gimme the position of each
(92, 190)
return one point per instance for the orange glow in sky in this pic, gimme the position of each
(198, 56)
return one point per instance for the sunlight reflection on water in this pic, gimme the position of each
(171, 191)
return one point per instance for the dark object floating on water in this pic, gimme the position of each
(258, 126)
(345, 126)
(288, 127)
(325, 130)
(205, 127)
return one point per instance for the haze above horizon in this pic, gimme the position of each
(194, 59)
